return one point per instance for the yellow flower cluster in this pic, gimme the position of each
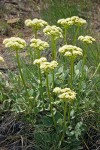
(71, 51)
(53, 31)
(86, 39)
(44, 65)
(39, 44)
(48, 66)
(14, 43)
(71, 21)
(65, 22)
(78, 21)
(35, 23)
(1, 59)
(66, 93)
(39, 61)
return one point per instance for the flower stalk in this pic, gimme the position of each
(35, 33)
(71, 72)
(64, 123)
(65, 35)
(53, 44)
(22, 77)
(40, 77)
(76, 34)
(50, 99)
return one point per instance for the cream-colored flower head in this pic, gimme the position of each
(48, 66)
(1, 59)
(65, 94)
(35, 23)
(71, 51)
(39, 44)
(71, 95)
(53, 31)
(78, 21)
(86, 39)
(39, 61)
(14, 43)
(65, 90)
(66, 22)
(57, 90)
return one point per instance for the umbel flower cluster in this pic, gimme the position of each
(14, 43)
(75, 20)
(39, 44)
(86, 39)
(65, 94)
(40, 61)
(1, 59)
(53, 31)
(46, 66)
(65, 22)
(71, 51)
(78, 21)
(35, 23)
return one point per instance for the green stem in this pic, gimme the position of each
(49, 96)
(75, 37)
(35, 33)
(69, 108)
(64, 123)
(22, 77)
(82, 73)
(41, 88)
(53, 44)
(65, 35)
(38, 53)
(83, 63)
(71, 72)
(31, 55)
(53, 76)
(40, 77)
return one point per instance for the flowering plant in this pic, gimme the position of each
(51, 90)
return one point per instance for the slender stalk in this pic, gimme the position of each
(35, 33)
(83, 64)
(65, 35)
(22, 77)
(53, 44)
(38, 53)
(41, 87)
(64, 123)
(82, 73)
(40, 77)
(75, 37)
(35, 36)
(71, 72)
(49, 96)
(53, 77)
(69, 109)
(31, 55)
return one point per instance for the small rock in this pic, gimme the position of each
(13, 20)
